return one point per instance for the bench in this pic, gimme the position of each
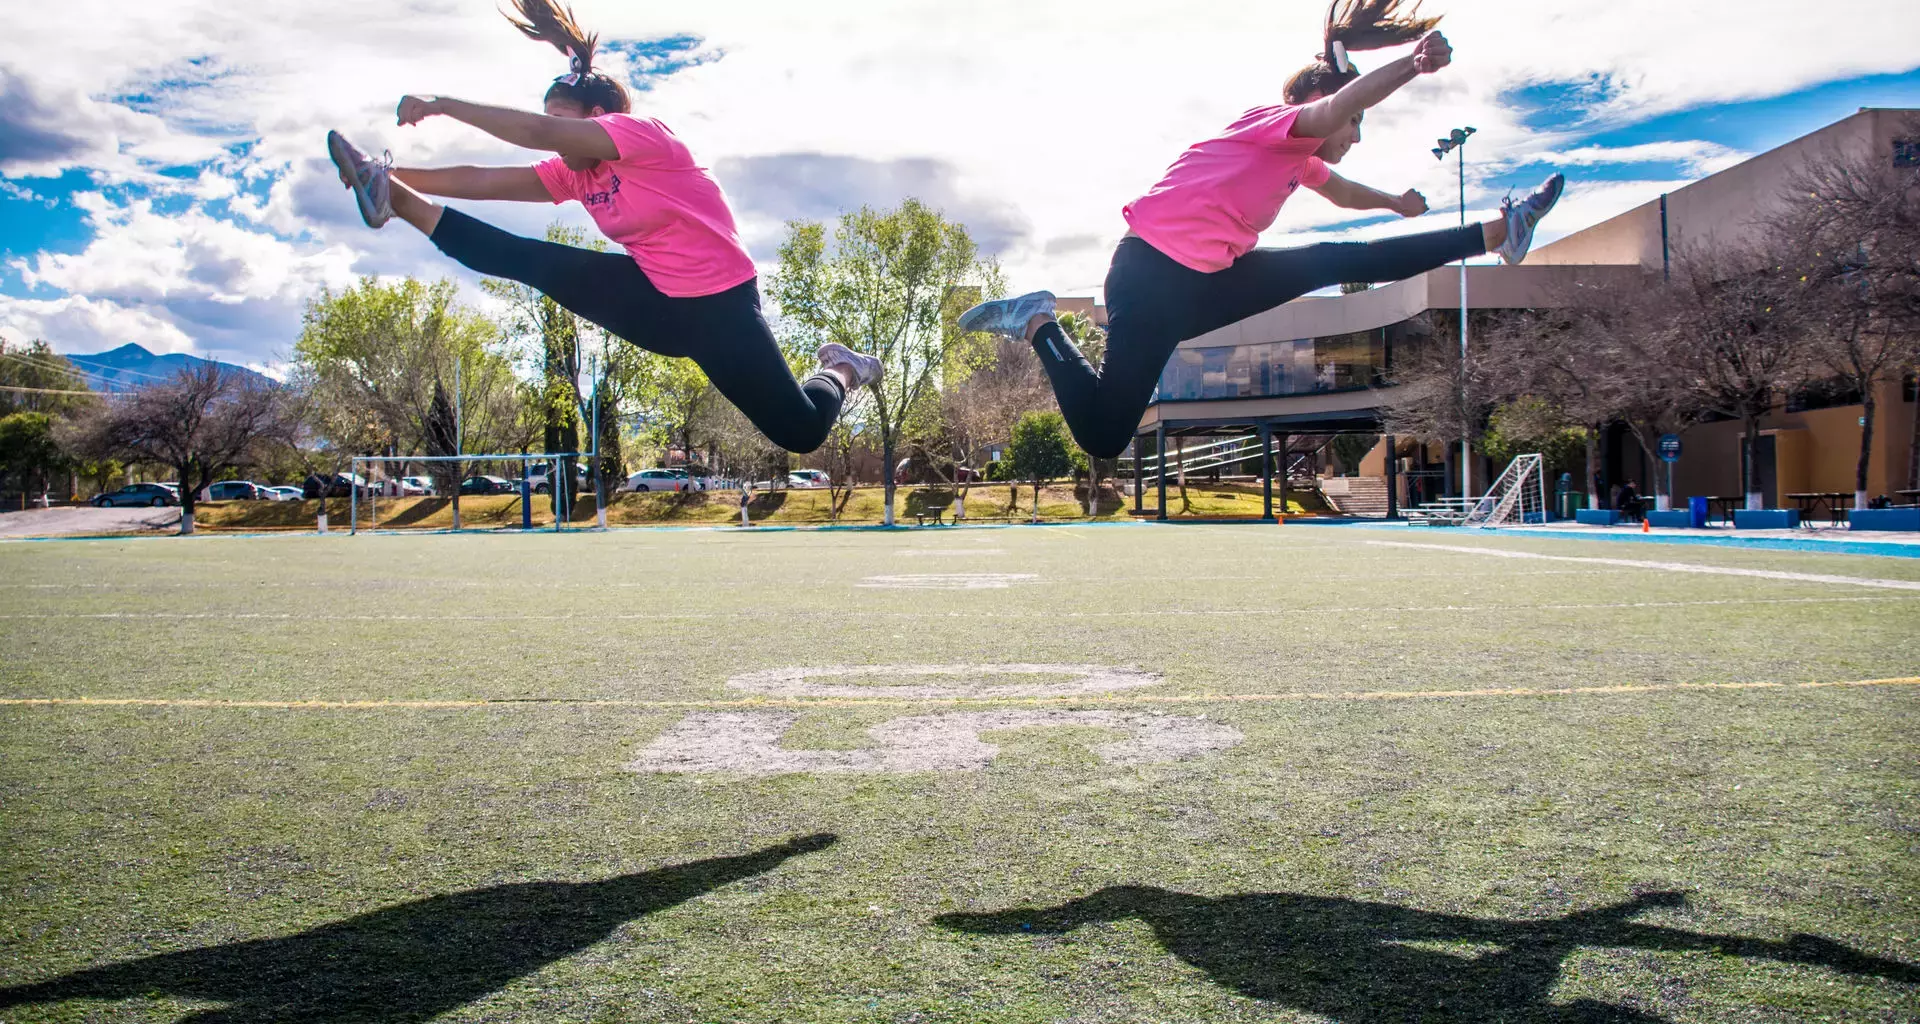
(933, 512)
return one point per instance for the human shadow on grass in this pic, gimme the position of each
(1359, 962)
(412, 961)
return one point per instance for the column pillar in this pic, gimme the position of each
(1286, 456)
(1393, 480)
(1139, 499)
(1160, 451)
(1266, 470)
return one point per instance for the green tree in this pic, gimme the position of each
(374, 356)
(34, 378)
(890, 284)
(1041, 450)
(1091, 340)
(28, 451)
(1528, 425)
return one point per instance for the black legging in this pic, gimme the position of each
(725, 333)
(1154, 304)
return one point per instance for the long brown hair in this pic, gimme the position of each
(552, 22)
(1357, 25)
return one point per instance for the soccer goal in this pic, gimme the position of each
(560, 495)
(1518, 497)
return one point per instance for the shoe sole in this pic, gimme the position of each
(343, 162)
(978, 313)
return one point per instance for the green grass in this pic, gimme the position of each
(776, 508)
(1649, 853)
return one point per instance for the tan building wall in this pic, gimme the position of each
(1816, 450)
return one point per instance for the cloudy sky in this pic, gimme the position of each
(163, 176)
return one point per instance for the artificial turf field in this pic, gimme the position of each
(1243, 773)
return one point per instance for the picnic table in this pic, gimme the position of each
(1443, 512)
(1912, 495)
(1721, 506)
(932, 512)
(1836, 504)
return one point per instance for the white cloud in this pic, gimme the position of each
(1036, 135)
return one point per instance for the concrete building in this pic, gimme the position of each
(1314, 367)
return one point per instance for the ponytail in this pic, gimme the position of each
(1356, 25)
(551, 22)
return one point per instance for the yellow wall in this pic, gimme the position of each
(1815, 450)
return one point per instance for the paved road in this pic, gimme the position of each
(53, 522)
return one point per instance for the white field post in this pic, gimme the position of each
(599, 471)
(353, 497)
(1466, 456)
(746, 496)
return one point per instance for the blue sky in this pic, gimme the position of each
(167, 186)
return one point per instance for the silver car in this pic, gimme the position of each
(138, 494)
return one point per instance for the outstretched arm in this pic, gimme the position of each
(1351, 195)
(1329, 114)
(574, 136)
(514, 184)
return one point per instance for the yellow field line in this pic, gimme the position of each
(801, 702)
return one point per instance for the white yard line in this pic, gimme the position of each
(598, 616)
(1710, 570)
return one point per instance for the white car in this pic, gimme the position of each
(416, 485)
(806, 478)
(658, 480)
(283, 494)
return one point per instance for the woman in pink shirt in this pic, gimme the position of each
(685, 286)
(1188, 265)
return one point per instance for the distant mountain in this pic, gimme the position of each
(130, 366)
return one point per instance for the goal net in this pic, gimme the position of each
(1517, 498)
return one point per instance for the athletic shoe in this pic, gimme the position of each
(1007, 316)
(367, 178)
(864, 369)
(1523, 215)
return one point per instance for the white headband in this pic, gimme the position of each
(1340, 56)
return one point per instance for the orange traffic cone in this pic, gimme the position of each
(1645, 527)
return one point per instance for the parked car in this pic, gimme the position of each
(236, 490)
(339, 485)
(658, 480)
(806, 478)
(416, 485)
(539, 477)
(282, 493)
(484, 484)
(137, 494)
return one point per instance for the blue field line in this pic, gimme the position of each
(1890, 549)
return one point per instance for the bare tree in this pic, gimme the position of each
(202, 422)
(1434, 396)
(979, 407)
(1728, 342)
(1851, 223)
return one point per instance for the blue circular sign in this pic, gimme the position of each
(1670, 447)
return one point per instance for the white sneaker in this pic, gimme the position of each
(864, 369)
(1523, 215)
(1007, 316)
(367, 177)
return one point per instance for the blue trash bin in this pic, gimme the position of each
(1697, 512)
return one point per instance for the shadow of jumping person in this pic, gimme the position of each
(1359, 962)
(412, 961)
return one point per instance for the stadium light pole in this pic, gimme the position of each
(1457, 140)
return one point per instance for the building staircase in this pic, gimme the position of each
(1362, 496)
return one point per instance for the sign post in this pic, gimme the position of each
(1669, 454)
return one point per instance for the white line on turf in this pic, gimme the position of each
(1711, 570)
(597, 616)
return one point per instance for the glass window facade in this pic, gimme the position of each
(1273, 369)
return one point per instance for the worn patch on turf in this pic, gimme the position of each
(748, 742)
(941, 681)
(949, 581)
(949, 552)
(1631, 563)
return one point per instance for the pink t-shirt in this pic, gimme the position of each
(1212, 204)
(666, 210)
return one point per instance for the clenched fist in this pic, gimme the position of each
(1432, 53)
(415, 109)
(1410, 204)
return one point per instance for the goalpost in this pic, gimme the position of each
(1518, 497)
(562, 507)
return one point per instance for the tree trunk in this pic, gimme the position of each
(1593, 466)
(1036, 501)
(188, 496)
(1866, 446)
(886, 469)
